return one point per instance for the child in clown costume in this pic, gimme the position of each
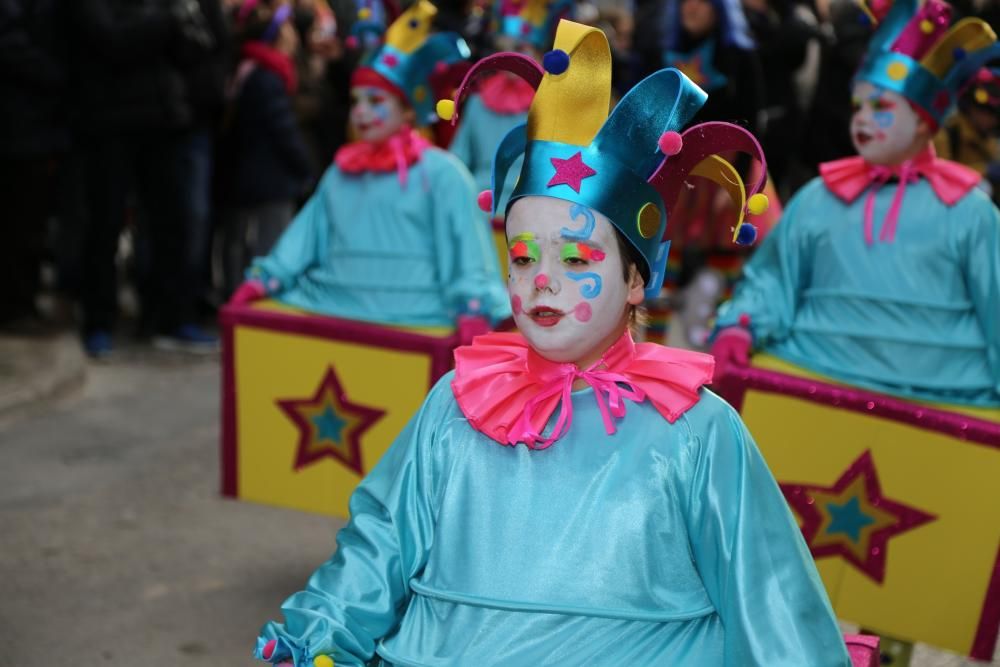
(884, 272)
(387, 235)
(567, 496)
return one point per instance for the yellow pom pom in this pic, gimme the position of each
(322, 661)
(446, 109)
(758, 204)
(982, 96)
(926, 27)
(364, 13)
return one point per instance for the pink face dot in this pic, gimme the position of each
(515, 304)
(583, 312)
(541, 281)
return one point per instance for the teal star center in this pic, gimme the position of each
(848, 519)
(329, 425)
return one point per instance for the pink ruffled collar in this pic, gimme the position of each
(850, 177)
(505, 94)
(508, 391)
(397, 153)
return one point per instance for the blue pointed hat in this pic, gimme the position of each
(629, 165)
(915, 54)
(410, 55)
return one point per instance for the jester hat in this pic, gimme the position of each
(914, 53)
(629, 165)
(409, 56)
(531, 21)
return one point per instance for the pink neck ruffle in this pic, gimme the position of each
(397, 153)
(850, 177)
(506, 94)
(509, 392)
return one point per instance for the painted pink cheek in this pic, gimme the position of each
(598, 256)
(583, 312)
(541, 281)
(515, 304)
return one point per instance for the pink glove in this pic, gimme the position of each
(731, 350)
(470, 326)
(251, 290)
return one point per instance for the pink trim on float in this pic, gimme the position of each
(963, 427)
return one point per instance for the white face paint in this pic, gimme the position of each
(376, 114)
(566, 281)
(884, 126)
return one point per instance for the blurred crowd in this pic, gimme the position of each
(161, 144)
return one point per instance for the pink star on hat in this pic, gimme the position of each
(570, 172)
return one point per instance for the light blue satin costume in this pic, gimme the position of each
(364, 247)
(479, 133)
(918, 317)
(664, 544)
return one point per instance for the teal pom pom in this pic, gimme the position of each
(747, 234)
(555, 62)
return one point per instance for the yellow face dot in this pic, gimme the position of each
(649, 220)
(926, 27)
(897, 71)
(982, 96)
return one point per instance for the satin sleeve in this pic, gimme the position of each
(751, 556)
(466, 257)
(774, 278)
(303, 244)
(359, 596)
(979, 250)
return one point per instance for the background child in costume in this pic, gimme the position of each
(268, 165)
(501, 100)
(708, 40)
(640, 526)
(389, 235)
(893, 286)
(970, 136)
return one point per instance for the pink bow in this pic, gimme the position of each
(607, 391)
(908, 173)
(849, 177)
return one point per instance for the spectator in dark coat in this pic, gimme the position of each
(783, 32)
(131, 58)
(267, 162)
(33, 134)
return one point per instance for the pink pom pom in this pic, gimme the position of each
(351, 42)
(269, 649)
(670, 143)
(485, 201)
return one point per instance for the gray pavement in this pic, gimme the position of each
(116, 548)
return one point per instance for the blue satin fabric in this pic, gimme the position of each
(918, 317)
(660, 545)
(479, 133)
(366, 248)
